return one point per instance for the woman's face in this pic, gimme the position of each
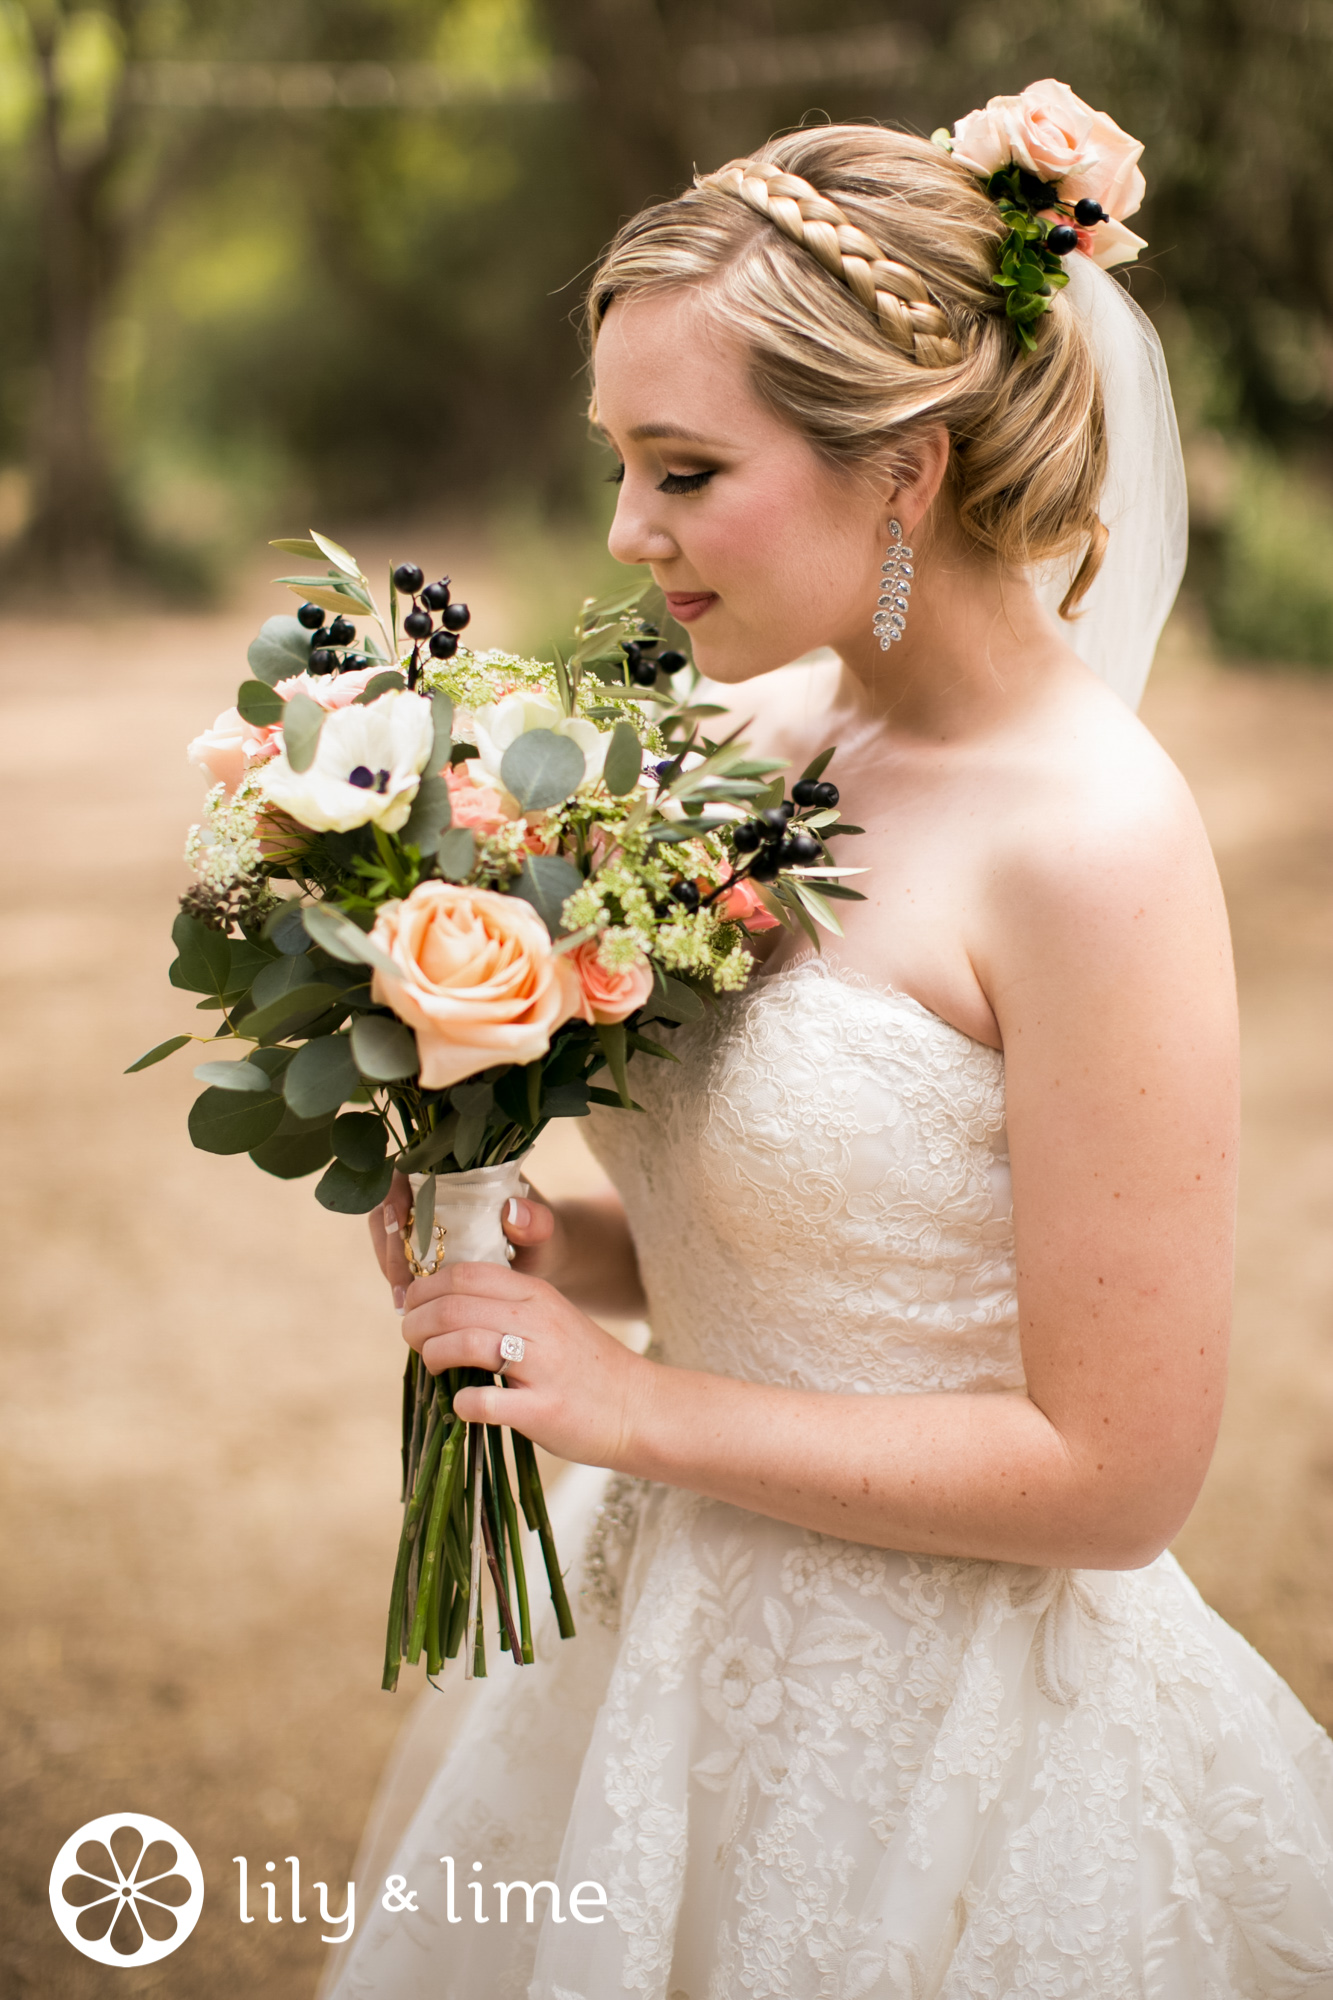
(763, 549)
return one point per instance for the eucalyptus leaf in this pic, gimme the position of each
(542, 768)
(204, 961)
(341, 938)
(286, 929)
(301, 1004)
(431, 814)
(378, 684)
(336, 553)
(280, 975)
(360, 1141)
(233, 1076)
(428, 1152)
(442, 715)
(301, 723)
(456, 854)
(159, 1054)
(349, 1193)
(232, 1121)
(624, 760)
(321, 1076)
(384, 1049)
(423, 1217)
(289, 1155)
(281, 649)
(258, 703)
(545, 880)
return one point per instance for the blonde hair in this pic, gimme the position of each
(855, 264)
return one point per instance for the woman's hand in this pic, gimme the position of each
(576, 1392)
(582, 1247)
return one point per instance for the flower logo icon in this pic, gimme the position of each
(126, 1889)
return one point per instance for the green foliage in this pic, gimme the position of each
(1273, 598)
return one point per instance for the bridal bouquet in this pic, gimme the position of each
(438, 895)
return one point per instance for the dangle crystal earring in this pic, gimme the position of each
(895, 587)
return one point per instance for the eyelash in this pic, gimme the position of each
(675, 482)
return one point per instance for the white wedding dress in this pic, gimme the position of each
(808, 1768)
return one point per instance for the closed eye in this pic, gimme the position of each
(686, 482)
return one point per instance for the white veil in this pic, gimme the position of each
(1116, 628)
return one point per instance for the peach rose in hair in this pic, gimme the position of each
(1060, 139)
(609, 996)
(477, 979)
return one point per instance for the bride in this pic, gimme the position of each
(885, 1686)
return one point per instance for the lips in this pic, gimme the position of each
(686, 605)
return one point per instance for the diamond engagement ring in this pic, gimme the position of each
(511, 1349)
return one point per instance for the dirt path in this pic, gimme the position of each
(201, 1378)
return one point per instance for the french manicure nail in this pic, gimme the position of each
(390, 1220)
(399, 1298)
(518, 1214)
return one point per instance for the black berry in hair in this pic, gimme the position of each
(1087, 214)
(1062, 239)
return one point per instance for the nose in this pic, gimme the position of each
(636, 537)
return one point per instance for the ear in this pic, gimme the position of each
(917, 468)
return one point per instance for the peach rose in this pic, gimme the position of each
(479, 806)
(1055, 135)
(609, 996)
(477, 979)
(742, 904)
(231, 746)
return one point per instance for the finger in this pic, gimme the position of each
(392, 1220)
(479, 1405)
(452, 1315)
(476, 1281)
(527, 1223)
(467, 1347)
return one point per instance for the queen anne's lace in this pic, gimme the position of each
(811, 1769)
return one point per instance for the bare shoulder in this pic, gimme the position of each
(1101, 872)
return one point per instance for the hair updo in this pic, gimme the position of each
(865, 300)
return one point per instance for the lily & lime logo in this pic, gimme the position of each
(127, 1889)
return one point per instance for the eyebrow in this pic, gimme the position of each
(642, 432)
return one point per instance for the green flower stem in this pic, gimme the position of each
(476, 1644)
(508, 1636)
(516, 1549)
(393, 1649)
(427, 1581)
(494, 1515)
(525, 1450)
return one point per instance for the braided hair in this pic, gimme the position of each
(855, 265)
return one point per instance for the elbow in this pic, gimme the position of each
(1133, 1529)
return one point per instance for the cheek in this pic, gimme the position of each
(781, 561)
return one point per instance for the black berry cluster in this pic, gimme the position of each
(329, 643)
(773, 841)
(643, 662)
(428, 601)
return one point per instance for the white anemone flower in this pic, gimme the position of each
(503, 722)
(367, 767)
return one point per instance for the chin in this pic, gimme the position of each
(730, 666)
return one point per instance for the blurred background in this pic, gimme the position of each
(319, 261)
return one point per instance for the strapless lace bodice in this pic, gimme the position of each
(819, 1192)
